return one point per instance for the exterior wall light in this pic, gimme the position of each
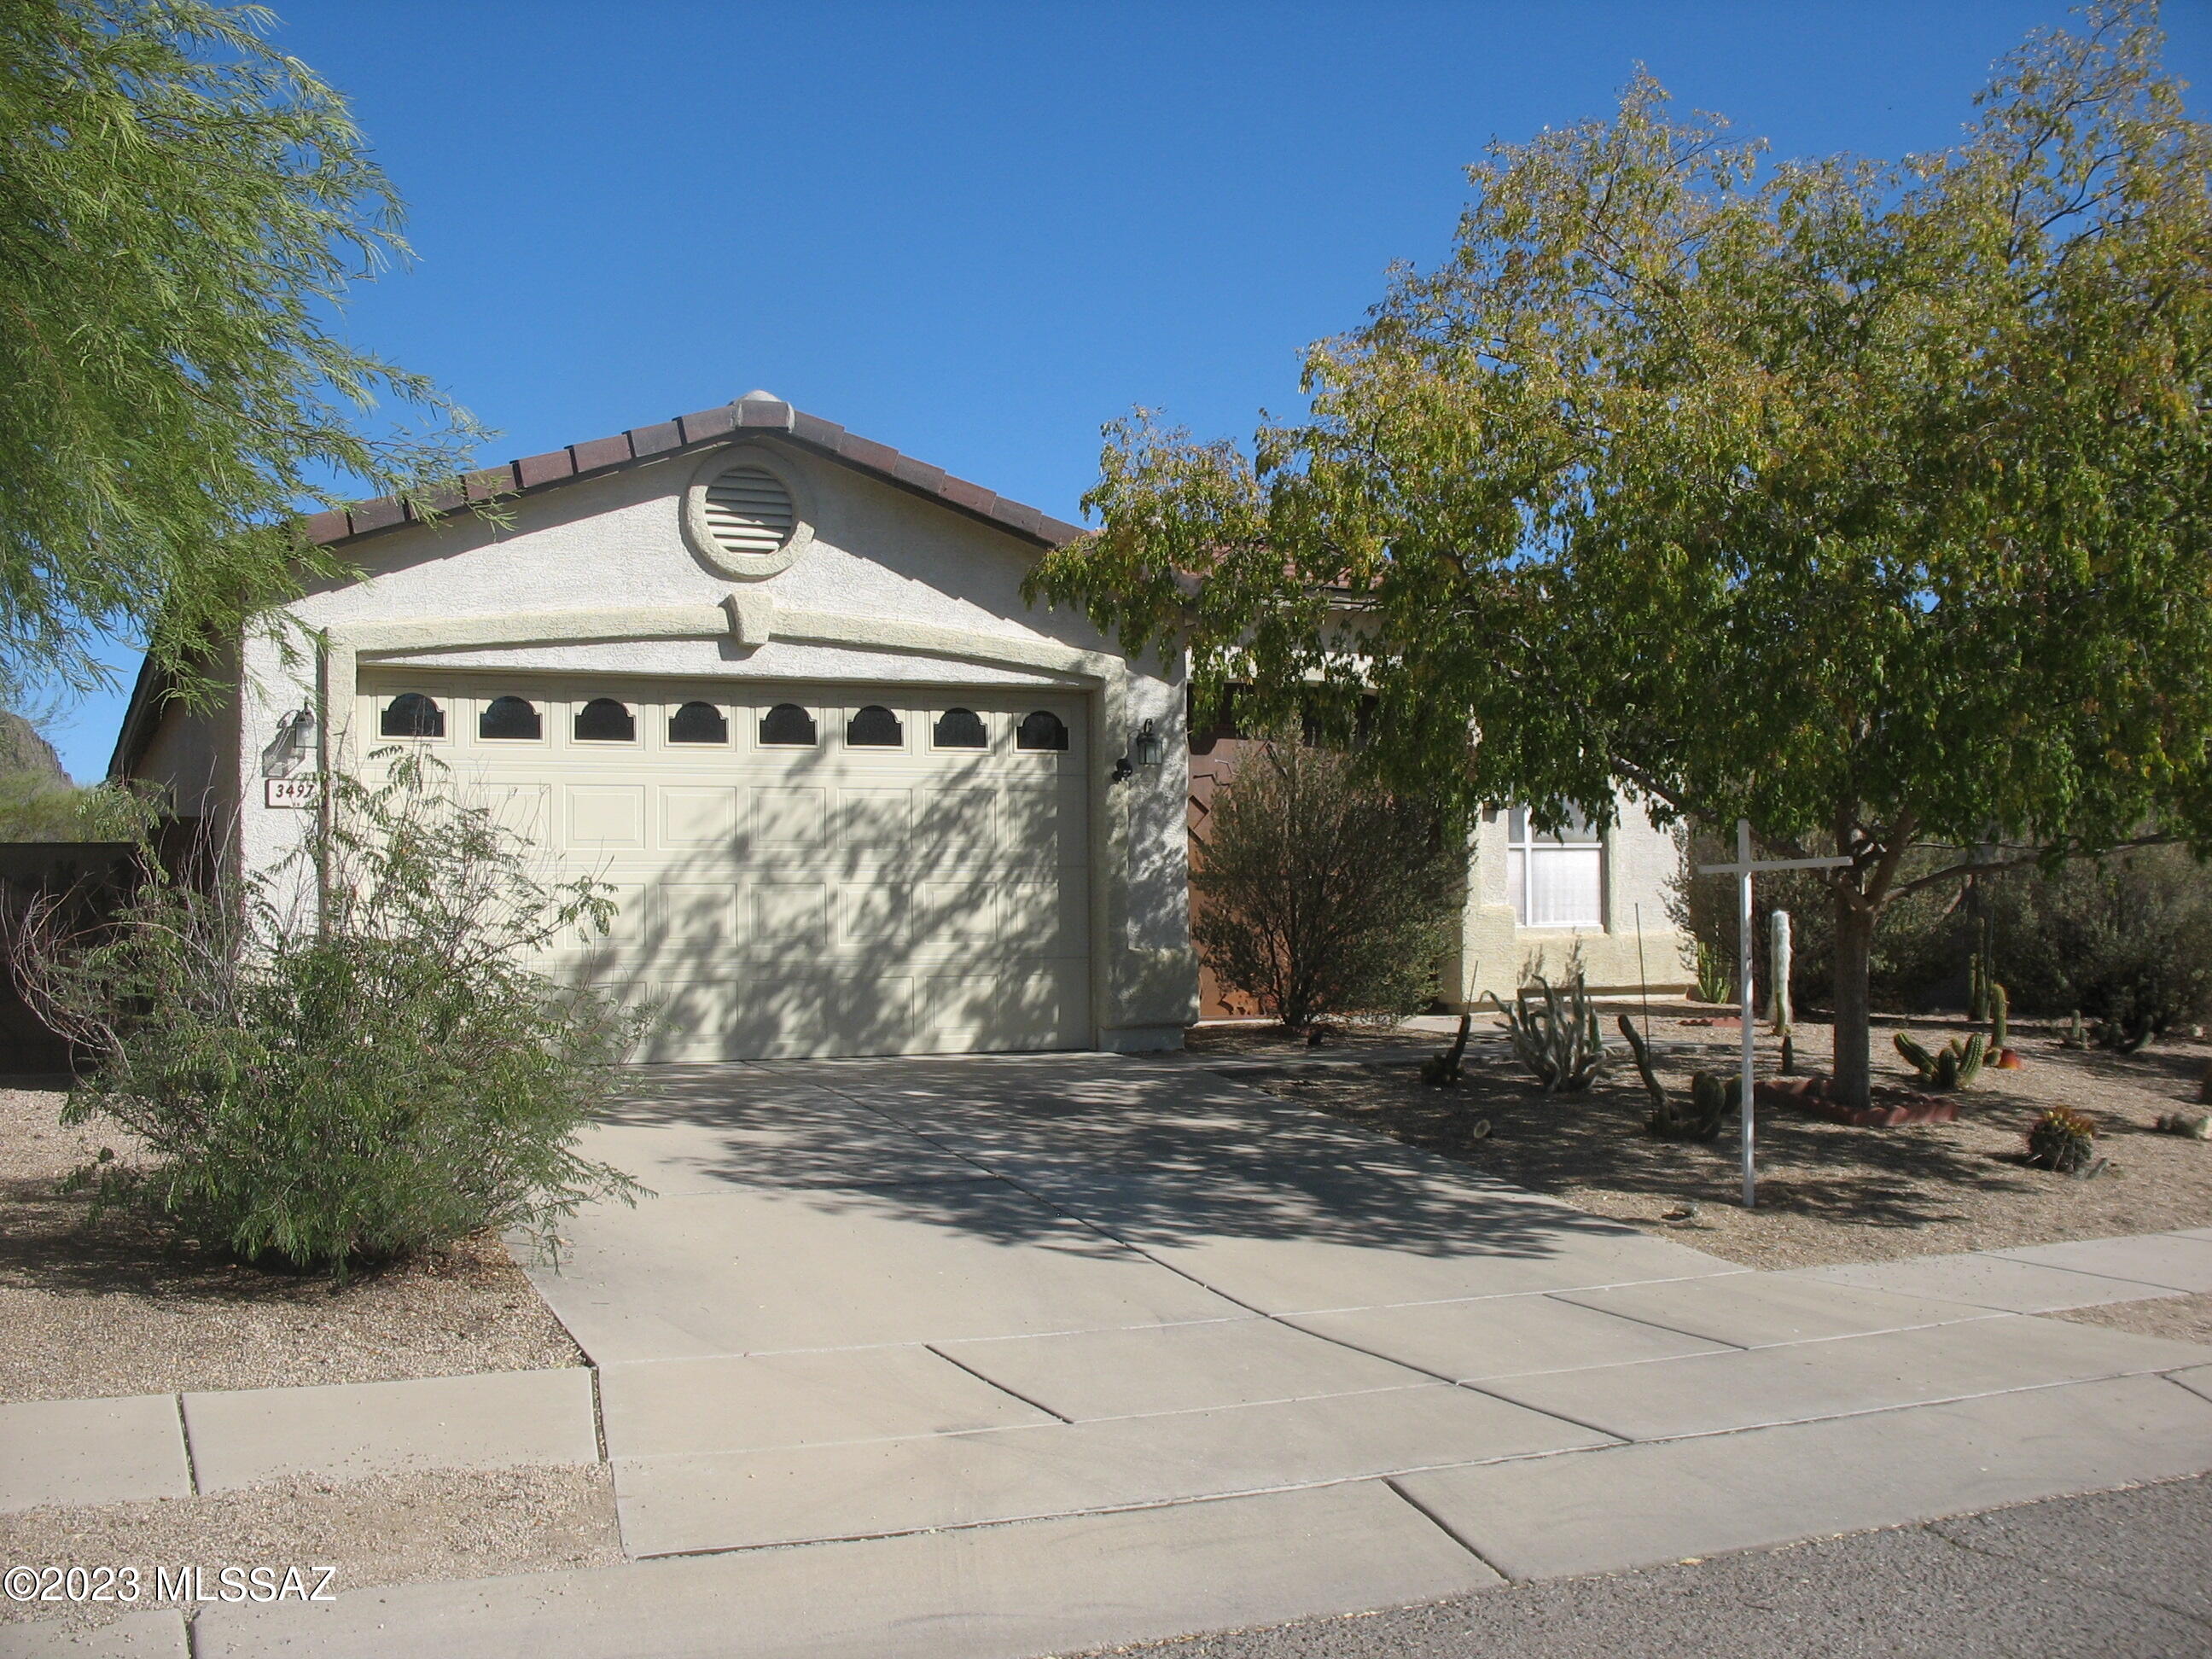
(1145, 749)
(298, 739)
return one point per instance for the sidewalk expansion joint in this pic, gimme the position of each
(1445, 1527)
(993, 1381)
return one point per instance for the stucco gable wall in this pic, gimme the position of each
(619, 541)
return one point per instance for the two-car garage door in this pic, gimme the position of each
(801, 870)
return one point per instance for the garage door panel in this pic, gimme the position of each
(790, 920)
(1018, 1008)
(954, 827)
(874, 1014)
(1029, 822)
(948, 915)
(874, 826)
(1039, 917)
(693, 816)
(696, 1020)
(781, 1015)
(1040, 1008)
(871, 912)
(789, 820)
(523, 810)
(699, 915)
(631, 924)
(612, 817)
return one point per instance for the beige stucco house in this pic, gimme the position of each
(777, 686)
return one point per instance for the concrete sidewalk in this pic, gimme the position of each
(1008, 1356)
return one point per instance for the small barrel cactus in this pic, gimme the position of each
(2062, 1139)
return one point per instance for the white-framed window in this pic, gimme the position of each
(1557, 880)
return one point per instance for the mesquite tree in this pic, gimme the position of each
(181, 210)
(1867, 501)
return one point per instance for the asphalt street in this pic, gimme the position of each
(2124, 1575)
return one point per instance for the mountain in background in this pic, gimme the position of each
(27, 760)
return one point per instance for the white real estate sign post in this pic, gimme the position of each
(1743, 867)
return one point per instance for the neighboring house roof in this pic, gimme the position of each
(755, 413)
(761, 412)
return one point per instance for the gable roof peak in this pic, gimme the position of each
(757, 412)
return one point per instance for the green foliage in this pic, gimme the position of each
(1716, 980)
(1915, 944)
(322, 1095)
(1320, 894)
(2127, 940)
(2064, 1140)
(1956, 1065)
(181, 210)
(1919, 449)
(1557, 1037)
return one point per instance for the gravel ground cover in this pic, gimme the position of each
(1828, 1194)
(112, 1309)
(385, 1529)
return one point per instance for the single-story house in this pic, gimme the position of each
(777, 686)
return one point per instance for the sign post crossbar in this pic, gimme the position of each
(1742, 870)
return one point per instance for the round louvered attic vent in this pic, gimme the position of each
(749, 512)
(744, 515)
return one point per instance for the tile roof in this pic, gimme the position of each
(755, 413)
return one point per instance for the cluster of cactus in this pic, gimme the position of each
(2064, 1140)
(1556, 1038)
(1716, 982)
(2123, 1035)
(1712, 1102)
(1441, 1071)
(2078, 1035)
(1954, 1065)
(1977, 985)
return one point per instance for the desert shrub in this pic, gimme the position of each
(2126, 939)
(1319, 893)
(322, 1085)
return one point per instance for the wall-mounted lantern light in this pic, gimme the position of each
(1145, 749)
(297, 742)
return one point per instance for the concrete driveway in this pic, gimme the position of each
(1038, 1353)
(889, 1297)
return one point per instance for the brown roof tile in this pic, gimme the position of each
(701, 427)
(380, 514)
(534, 470)
(655, 440)
(601, 451)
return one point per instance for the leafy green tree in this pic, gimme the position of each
(1863, 500)
(181, 210)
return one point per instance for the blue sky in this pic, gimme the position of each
(976, 232)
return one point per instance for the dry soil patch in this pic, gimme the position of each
(1828, 1194)
(387, 1529)
(113, 1308)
